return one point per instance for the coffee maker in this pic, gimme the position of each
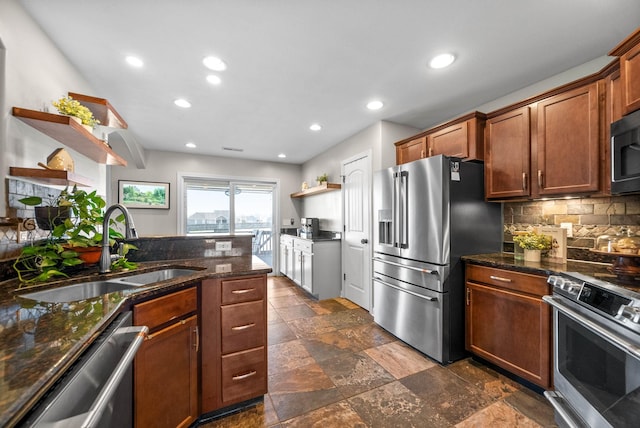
(309, 227)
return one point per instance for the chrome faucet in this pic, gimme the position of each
(130, 233)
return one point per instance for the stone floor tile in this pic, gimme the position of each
(497, 415)
(485, 378)
(367, 336)
(399, 359)
(311, 326)
(328, 345)
(329, 306)
(447, 394)
(392, 405)
(335, 415)
(350, 318)
(279, 332)
(533, 406)
(286, 356)
(355, 373)
(295, 312)
(285, 301)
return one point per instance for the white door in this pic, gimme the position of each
(356, 249)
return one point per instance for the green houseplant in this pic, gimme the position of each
(71, 242)
(70, 107)
(322, 178)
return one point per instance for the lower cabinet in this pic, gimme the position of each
(316, 266)
(508, 324)
(166, 365)
(234, 340)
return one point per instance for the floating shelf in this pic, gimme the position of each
(101, 109)
(54, 177)
(70, 133)
(324, 187)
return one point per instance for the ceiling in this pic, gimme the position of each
(292, 63)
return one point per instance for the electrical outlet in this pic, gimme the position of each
(223, 245)
(224, 267)
(569, 227)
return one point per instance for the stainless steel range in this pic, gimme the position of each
(596, 352)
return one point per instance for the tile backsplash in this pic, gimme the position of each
(590, 218)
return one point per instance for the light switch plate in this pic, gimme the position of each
(223, 245)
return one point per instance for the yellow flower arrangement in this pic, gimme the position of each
(533, 241)
(71, 107)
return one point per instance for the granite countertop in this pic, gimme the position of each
(39, 341)
(593, 269)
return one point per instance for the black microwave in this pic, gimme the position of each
(625, 154)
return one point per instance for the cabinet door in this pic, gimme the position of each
(166, 377)
(567, 140)
(507, 155)
(630, 77)
(511, 330)
(296, 268)
(306, 267)
(411, 150)
(283, 258)
(450, 141)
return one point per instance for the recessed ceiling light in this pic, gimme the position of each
(134, 61)
(315, 127)
(213, 79)
(441, 61)
(214, 63)
(180, 102)
(374, 105)
(282, 156)
(191, 145)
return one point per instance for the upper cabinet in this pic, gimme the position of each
(551, 146)
(629, 53)
(461, 138)
(70, 133)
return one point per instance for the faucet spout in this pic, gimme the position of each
(130, 233)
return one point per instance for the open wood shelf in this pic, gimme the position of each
(70, 133)
(324, 187)
(54, 177)
(101, 109)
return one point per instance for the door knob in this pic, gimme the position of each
(364, 241)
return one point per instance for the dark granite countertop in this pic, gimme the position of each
(39, 341)
(593, 269)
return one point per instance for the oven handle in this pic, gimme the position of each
(556, 399)
(610, 336)
(429, 298)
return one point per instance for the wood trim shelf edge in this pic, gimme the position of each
(53, 177)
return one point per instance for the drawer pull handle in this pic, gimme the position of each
(244, 376)
(242, 291)
(499, 278)
(243, 327)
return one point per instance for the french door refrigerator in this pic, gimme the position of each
(428, 213)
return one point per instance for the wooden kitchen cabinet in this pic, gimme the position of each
(234, 336)
(166, 365)
(550, 147)
(507, 322)
(629, 52)
(411, 149)
(461, 138)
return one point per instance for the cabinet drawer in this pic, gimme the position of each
(243, 290)
(286, 240)
(516, 281)
(242, 326)
(244, 375)
(303, 245)
(159, 311)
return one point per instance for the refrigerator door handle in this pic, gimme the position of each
(394, 211)
(404, 187)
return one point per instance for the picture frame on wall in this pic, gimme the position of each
(143, 194)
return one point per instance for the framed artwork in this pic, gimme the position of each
(143, 194)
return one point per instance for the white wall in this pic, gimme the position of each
(165, 166)
(34, 74)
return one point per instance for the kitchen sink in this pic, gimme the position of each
(88, 290)
(154, 276)
(81, 291)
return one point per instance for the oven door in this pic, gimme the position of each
(597, 368)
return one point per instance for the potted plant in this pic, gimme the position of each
(70, 107)
(322, 179)
(54, 211)
(533, 244)
(75, 240)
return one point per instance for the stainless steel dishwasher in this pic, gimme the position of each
(98, 389)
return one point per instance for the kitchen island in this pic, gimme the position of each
(40, 341)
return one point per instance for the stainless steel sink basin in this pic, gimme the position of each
(88, 290)
(154, 276)
(81, 291)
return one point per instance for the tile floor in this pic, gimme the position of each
(330, 365)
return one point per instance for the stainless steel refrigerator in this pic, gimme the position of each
(427, 214)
